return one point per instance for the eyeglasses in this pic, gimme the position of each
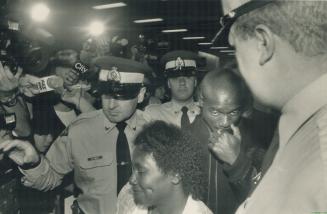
(228, 20)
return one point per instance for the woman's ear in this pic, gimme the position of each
(176, 178)
(266, 43)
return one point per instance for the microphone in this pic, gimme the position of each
(46, 84)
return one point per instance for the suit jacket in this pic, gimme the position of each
(229, 185)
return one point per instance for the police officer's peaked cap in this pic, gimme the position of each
(180, 63)
(232, 10)
(120, 77)
(121, 70)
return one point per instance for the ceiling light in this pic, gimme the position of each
(140, 21)
(193, 37)
(174, 30)
(205, 43)
(109, 6)
(219, 48)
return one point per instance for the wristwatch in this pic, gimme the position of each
(9, 101)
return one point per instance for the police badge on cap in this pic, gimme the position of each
(120, 78)
(180, 63)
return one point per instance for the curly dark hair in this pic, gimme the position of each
(175, 152)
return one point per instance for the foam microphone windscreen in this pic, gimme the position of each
(55, 82)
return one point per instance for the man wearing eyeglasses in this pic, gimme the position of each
(281, 49)
(96, 146)
(232, 148)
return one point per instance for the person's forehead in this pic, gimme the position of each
(143, 159)
(221, 98)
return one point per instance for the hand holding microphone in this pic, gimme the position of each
(31, 85)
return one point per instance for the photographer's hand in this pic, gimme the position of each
(72, 96)
(102, 44)
(21, 152)
(69, 76)
(27, 85)
(78, 97)
(226, 146)
(8, 81)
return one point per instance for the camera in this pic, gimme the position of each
(22, 45)
(8, 121)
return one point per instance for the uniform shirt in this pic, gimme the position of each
(88, 146)
(126, 204)
(296, 182)
(171, 112)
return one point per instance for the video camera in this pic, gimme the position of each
(23, 45)
(7, 121)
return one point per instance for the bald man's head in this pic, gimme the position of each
(224, 85)
(223, 98)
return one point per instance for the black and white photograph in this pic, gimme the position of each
(163, 106)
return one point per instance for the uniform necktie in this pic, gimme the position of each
(185, 121)
(124, 169)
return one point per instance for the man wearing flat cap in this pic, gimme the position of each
(96, 146)
(180, 71)
(281, 49)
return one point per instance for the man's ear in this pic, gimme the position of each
(141, 95)
(195, 82)
(168, 83)
(266, 43)
(176, 179)
(200, 97)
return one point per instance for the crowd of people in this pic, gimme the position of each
(206, 148)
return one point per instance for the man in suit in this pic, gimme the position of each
(232, 147)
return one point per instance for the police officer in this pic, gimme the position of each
(180, 71)
(280, 47)
(96, 145)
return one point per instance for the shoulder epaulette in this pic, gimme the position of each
(84, 116)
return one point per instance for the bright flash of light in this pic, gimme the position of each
(40, 12)
(96, 28)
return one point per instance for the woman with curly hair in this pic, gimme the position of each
(167, 176)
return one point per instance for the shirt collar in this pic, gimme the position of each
(301, 107)
(192, 106)
(190, 206)
(131, 122)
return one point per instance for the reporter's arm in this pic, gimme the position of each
(52, 168)
(19, 107)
